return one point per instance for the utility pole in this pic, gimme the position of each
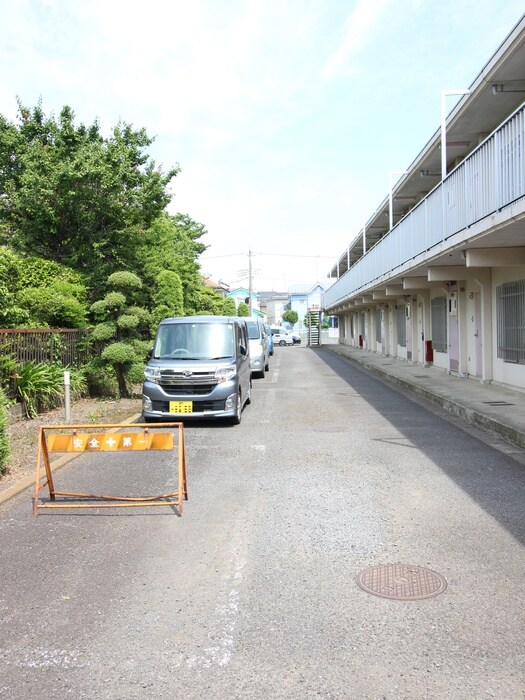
(250, 281)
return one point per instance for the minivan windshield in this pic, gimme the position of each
(195, 341)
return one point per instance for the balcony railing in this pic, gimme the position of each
(489, 179)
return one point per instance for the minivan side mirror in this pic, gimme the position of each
(243, 349)
(150, 353)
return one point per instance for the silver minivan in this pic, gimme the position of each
(259, 346)
(199, 367)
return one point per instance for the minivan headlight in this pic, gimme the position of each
(224, 374)
(152, 374)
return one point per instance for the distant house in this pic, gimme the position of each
(273, 304)
(219, 287)
(241, 294)
(303, 298)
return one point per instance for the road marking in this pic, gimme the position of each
(224, 621)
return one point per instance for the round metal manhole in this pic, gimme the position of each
(401, 582)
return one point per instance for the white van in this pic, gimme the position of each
(259, 346)
(281, 336)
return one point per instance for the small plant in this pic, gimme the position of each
(40, 385)
(37, 383)
(95, 416)
(4, 440)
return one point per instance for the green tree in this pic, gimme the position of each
(208, 302)
(172, 243)
(73, 196)
(168, 297)
(291, 317)
(121, 326)
(243, 309)
(228, 307)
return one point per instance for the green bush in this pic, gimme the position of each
(52, 307)
(4, 440)
(103, 331)
(128, 321)
(118, 354)
(101, 379)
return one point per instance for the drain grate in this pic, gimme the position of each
(421, 376)
(498, 403)
(401, 582)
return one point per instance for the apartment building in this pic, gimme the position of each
(437, 274)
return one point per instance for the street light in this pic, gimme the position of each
(444, 95)
(390, 195)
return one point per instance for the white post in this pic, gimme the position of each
(444, 95)
(391, 197)
(67, 395)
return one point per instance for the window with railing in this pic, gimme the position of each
(510, 314)
(438, 308)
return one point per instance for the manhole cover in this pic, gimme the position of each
(401, 582)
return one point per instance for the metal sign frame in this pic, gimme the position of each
(66, 438)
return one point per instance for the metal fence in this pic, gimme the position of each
(62, 346)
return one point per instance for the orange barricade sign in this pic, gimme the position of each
(108, 438)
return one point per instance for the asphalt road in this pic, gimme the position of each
(252, 592)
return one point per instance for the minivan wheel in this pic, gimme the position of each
(149, 419)
(237, 417)
(282, 343)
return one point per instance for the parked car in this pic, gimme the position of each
(281, 336)
(199, 367)
(259, 349)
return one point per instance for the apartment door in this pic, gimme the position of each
(453, 333)
(474, 335)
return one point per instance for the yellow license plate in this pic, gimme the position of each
(181, 406)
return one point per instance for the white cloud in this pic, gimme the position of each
(274, 110)
(360, 27)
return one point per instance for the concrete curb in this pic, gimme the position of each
(28, 481)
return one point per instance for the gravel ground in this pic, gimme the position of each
(23, 434)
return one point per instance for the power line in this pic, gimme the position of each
(274, 255)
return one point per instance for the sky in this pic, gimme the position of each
(285, 116)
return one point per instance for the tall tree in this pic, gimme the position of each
(172, 243)
(121, 325)
(73, 196)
